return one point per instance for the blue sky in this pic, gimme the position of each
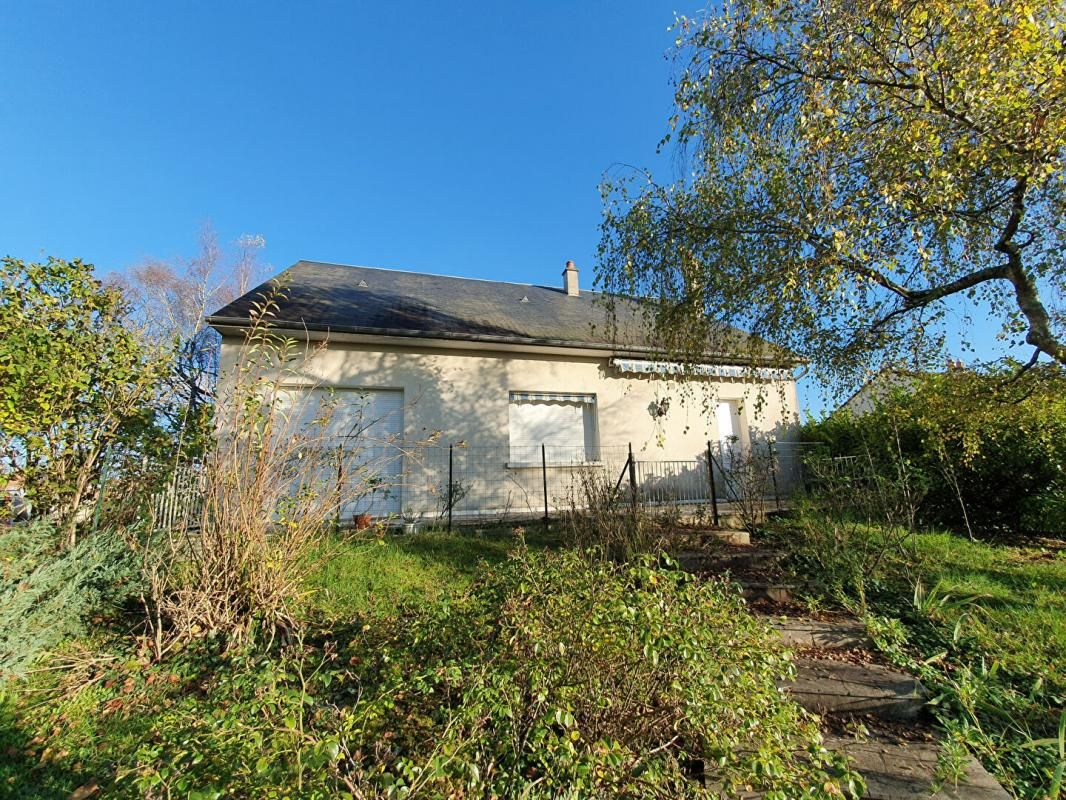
(460, 138)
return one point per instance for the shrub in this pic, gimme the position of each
(748, 477)
(272, 493)
(77, 385)
(603, 520)
(561, 677)
(46, 595)
(555, 676)
(989, 451)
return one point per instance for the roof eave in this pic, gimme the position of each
(488, 339)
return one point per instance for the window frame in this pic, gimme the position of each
(590, 430)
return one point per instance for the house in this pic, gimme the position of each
(876, 390)
(530, 379)
(14, 505)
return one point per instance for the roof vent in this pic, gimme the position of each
(570, 279)
(362, 284)
(524, 299)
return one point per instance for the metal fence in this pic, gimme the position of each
(178, 503)
(460, 483)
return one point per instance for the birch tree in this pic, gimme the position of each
(171, 298)
(851, 171)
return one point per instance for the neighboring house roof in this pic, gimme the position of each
(337, 298)
(878, 388)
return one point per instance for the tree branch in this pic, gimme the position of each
(1024, 368)
(912, 298)
(1025, 289)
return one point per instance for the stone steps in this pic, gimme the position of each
(896, 770)
(841, 687)
(844, 635)
(776, 592)
(724, 534)
(893, 768)
(732, 559)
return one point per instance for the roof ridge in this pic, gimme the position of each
(426, 274)
(437, 275)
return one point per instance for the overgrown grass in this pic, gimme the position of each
(383, 574)
(1013, 598)
(983, 624)
(543, 676)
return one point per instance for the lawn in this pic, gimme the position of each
(361, 574)
(1009, 596)
(1013, 597)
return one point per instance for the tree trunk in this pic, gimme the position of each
(85, 474)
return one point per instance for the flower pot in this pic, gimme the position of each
(410, 527)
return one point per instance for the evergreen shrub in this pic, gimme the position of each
(47, 594)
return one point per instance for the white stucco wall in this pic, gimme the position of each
(464, 394)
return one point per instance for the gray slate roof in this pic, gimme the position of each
(364, 300)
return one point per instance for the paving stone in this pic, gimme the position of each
(775, 592)
(814, 633)
(743, 558)
(824, 687)
(897, 770)
(732, 536)
(731, 558)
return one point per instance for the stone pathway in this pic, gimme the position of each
(838, 678)
(899, 770)
(840, 687)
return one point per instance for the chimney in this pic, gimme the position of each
(570, 279)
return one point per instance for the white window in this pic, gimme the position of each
(564, 423)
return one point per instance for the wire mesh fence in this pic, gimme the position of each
(516, 481)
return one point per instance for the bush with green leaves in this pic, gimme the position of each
(46, 595)
(989, 449)
(554, 676)
(78, 386)
(557, 677)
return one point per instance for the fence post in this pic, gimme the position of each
(544, 477)
(633, 481)
(451, 488)
(340, 485)
(773, 473)
(714, 491)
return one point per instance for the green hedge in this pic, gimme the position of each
(994, 441)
